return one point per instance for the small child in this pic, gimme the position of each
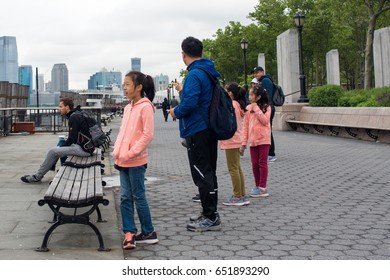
(131, 158)
(232, 149)
(257, 130)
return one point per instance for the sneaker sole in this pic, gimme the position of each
(129, 247)
(150, 241)
(213, 228)
(233, 204)
(258, 195)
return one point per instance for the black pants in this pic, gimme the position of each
(272, 148)
(202, 149)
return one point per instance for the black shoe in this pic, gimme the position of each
(196, 198)
(205, 224)
(150, 238)
(30, 179)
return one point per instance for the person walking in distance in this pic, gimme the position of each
(202, 145)
(266, 82)
(165, 107)
(131, 158)
(173, 104)
(232, 148)
(257, 131)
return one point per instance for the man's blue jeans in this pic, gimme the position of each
(132, 181)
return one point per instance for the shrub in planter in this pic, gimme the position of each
(325, 96)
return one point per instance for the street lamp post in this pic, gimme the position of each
(299, 20)
(244, 47)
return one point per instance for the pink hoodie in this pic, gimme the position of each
(257, 128)
(235, 141)
(135, 134)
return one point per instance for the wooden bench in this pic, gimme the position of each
(78, 185)
(364, 123)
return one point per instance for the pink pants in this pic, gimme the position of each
(259, 158)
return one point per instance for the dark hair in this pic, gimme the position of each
(192, 47)
(239, 94)
(146, 81)
(263, 102)
(67, 102)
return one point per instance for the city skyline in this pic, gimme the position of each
(109, 36)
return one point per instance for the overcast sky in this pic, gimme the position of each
(88, 35)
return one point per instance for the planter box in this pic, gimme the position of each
(24, 127)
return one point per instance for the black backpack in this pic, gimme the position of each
(98, 137)
(278, 97)
(222, 118)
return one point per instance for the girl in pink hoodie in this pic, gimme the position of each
(257, 130)
(131, 158)
(232, 148)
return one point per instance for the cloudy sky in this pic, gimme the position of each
(88, 35)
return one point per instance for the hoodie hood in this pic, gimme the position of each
(206, 64)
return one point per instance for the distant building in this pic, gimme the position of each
(41, 83)
(8, 59)
(26, 79)
(105, 79)
(59, 78)
(135, 64)
(161, 82)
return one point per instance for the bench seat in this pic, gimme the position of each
(78, 185)
(362, 123)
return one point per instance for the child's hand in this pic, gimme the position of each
(242, 150)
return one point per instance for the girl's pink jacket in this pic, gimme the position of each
(135, 134)
(236, 140)
(257, 128)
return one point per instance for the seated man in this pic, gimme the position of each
(73, 146)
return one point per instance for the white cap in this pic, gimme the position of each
(254, 81)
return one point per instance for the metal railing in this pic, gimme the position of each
(46, 119)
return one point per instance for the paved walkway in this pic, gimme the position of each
(329, 199)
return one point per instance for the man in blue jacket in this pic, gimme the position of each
(202, 145)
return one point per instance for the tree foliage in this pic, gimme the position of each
(338, 24)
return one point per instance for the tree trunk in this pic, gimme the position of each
(368, 59)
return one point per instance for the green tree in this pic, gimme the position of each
(375, 9)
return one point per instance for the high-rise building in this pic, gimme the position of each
(135, 64)
(59, 78)
(26, 79)
(105, 79)
(8, 59)
(161, 82)
(41, 83)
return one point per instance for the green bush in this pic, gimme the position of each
(376, 97)
(325, 96)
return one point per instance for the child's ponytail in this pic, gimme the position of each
(146, 81)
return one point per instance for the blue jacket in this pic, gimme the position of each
(193, 111)
(267, 83)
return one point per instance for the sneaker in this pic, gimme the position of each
(205, 224)
(272, 158)
(194, 218)
(129, 241)
(196, 198)
(258, 192)
(245, 200)
(234, 201)
(150, 238)
(30, 179)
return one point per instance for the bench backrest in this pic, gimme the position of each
(367, 117)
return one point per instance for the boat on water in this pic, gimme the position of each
(109, 96)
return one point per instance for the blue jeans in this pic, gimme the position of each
(132, 181)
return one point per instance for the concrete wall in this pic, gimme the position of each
(261, 61)
(288, 63)
(382, 57)
(332, 67)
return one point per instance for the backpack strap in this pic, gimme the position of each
(214, 82)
